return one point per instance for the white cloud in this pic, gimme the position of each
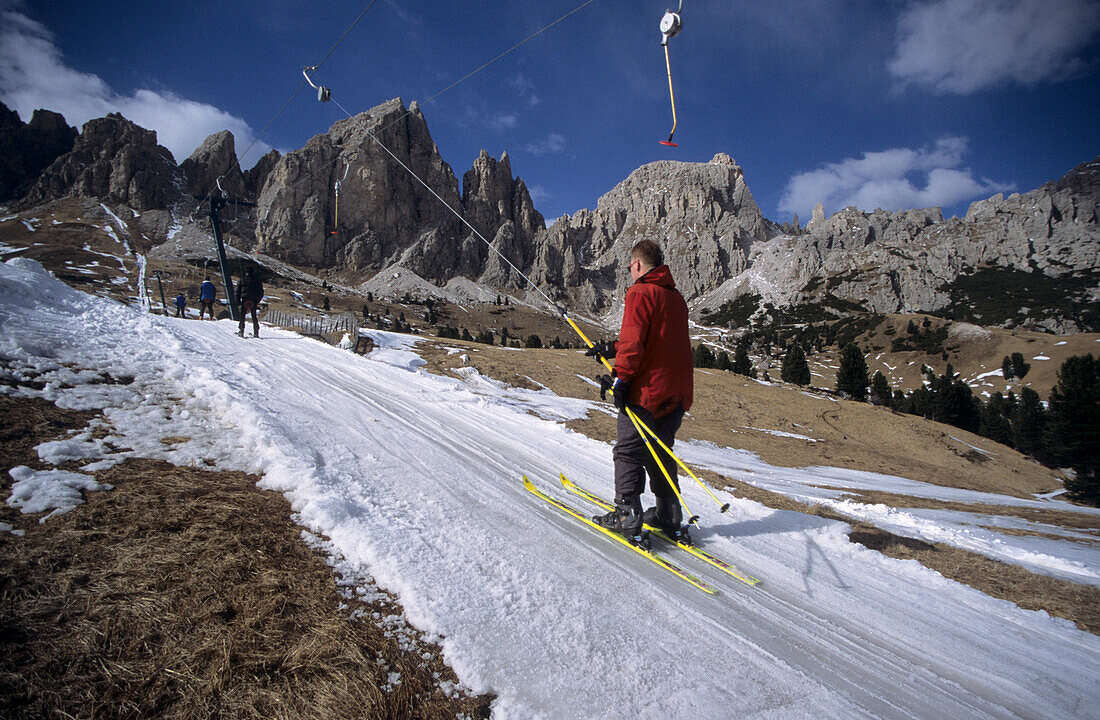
(539, 194)
(503, 121)
(963, 46)
(525, 88)
(33, 75)
(895, 179)
(553, 143)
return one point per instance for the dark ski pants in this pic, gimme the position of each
(206, 305)
(633, 460)
(249, 306)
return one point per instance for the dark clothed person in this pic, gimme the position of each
(206, 298)
(250, 291)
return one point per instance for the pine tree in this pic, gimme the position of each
(723, 361)
(1006, 368)
(325, 305)
(795, 369)
(533, 341)
(994, 425)
(1073, 431)
(852, 378)
(742, 365)
(880, 389)
(1019, 367)
(703, 357)
(1028, 423)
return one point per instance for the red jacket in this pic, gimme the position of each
(654, 350)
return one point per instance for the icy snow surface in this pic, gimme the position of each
(414, 479)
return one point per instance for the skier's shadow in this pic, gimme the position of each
(780, 521)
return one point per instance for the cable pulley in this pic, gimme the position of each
(671, 25)
(323, 93)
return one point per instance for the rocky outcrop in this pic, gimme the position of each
(500, 207)
(915, 261)
(28, 149)
(702, 214)
(214, 164)
(255, 178)
(384, 215)
(113, 160)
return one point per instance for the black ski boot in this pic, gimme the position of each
(668, 517)
(625, 519)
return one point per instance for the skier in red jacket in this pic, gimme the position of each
(654, 375)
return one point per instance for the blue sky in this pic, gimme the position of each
(883, 103)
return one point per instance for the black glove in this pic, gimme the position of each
(620, 389)
(605, 349)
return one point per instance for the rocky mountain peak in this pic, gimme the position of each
(382, 216)
(27, 149)
(212, 162)
(702, 214)
(114, 160)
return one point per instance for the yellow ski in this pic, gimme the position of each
(687, 547)
(666, 564)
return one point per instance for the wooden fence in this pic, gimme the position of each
(311, 325)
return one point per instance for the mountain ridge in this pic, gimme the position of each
(719, 244)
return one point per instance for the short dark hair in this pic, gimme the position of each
(648, 252)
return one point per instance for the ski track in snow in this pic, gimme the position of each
(415, 479)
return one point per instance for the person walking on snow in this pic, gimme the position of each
(654, 376)
(181, 305)
(250, 291)
(206, 298)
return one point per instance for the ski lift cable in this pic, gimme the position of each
(300, 86)
(447, 205)
(515, 47)
(308, 70)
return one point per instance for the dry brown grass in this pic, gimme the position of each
(186, 593)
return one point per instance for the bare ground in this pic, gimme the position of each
(188, 593)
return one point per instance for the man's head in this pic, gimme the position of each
(644, 256)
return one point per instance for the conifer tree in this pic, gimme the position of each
(1019, 367)
(742, 365)
(852, 378)
(1073, 431)
(1028, 423)
(1006, 368)
(703, 356)
(795, 369)
(994, 424)
(723, 361)
(880, 389)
